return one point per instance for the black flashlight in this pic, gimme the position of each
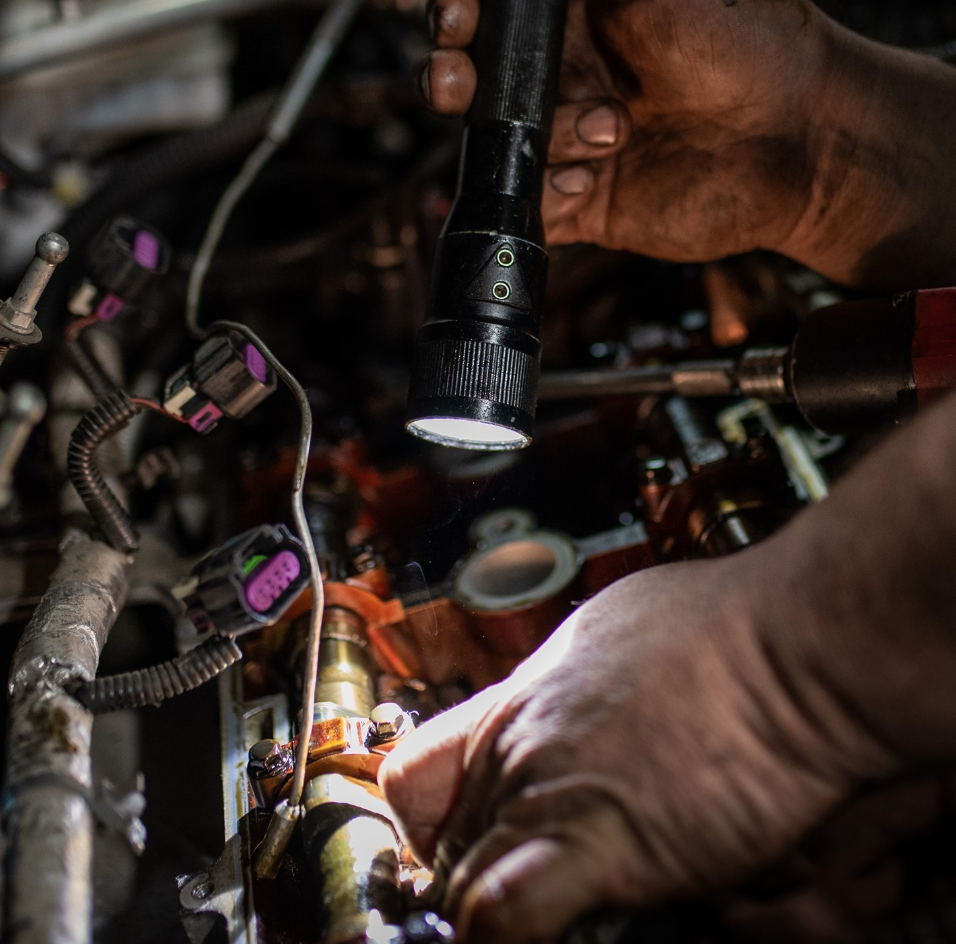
(475, 379)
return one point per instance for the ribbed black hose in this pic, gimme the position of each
(106, 419)
(89, 368)
(154, 685)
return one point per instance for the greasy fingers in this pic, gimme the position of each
(421, 778)
(448, 80)
(575, 180)
(588, 131)
(571, 204)
(536, 890)
(453, 22)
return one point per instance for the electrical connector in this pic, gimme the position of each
(247, 583)
(125, 260)
(227, 376)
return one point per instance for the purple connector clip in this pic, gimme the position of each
(271, 579)
(256, 363)
(146, 249)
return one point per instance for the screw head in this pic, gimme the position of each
(264, 751)
(387, 720)
(657, 471)
(501, 290)
(505, 257)
(52, 248)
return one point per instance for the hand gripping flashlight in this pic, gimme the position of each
(474, 383)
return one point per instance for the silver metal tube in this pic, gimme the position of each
(762, 374)
(50, 840)
(111, 26)
(693, 378)
(51, 250)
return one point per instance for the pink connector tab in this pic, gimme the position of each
(208, 416)
(109, 307)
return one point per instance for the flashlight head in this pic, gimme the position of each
(475, 380)
(475, 385)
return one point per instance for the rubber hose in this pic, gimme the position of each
(107, 418)
(154, 685)
(166, 162)
(86, 365)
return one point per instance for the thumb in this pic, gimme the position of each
(421, 778)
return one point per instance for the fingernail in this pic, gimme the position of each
(599, 126)
(434, 18)
(425, 81)
(572, 181)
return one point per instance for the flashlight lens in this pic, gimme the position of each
(467, 434)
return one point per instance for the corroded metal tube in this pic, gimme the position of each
(355, 859)
(48, 881)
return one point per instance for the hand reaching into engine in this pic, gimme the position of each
(691, 722)
(647, 749)
(695, 129)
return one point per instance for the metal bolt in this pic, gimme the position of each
(202, 890)
(387, 720)
(265, 751)
(501, 290)
(505, 257)
(657, 471)
(51, 250)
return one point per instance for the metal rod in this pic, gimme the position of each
(110, 27)
(26, 406)
(693, 378)
(49, 777)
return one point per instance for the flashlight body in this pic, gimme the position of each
(478, 354)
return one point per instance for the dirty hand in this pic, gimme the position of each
(685, 125)
(653, 747)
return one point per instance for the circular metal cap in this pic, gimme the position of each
(52, 248)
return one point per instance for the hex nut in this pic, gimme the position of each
(265, 751)
(387, 720)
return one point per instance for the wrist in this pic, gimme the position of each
(880, 146)
(856, 607)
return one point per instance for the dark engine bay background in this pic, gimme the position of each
(328, 259)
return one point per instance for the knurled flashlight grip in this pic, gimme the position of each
(479, 354)
(517, 55)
